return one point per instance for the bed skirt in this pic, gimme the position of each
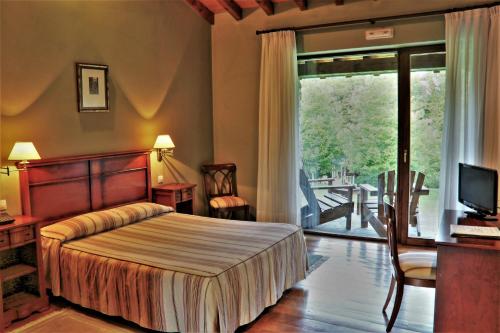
(171, 301)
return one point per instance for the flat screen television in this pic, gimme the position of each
(478, 189)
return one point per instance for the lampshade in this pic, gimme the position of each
(164, 141)
(24, 151)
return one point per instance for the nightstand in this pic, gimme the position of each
(21, 270)
(180, 196)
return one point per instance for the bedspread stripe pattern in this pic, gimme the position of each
(95, 222)
(177, 272)
(88, 224)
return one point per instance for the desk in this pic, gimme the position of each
(467, 280)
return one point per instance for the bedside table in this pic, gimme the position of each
(177, 195)
(21, 270)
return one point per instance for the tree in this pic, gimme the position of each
(352, 122)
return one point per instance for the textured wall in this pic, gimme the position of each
(236, 62)
(159, 58)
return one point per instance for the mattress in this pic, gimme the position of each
(174, 272)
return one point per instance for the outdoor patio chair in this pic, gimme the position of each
(335, 204)
(372, 210)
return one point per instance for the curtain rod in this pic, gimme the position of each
(378, 19)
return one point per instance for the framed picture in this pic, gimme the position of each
(92, 85)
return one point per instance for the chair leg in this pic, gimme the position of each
(397, 304)
(358, 204)
(247, 213)
(389, 294)
(419, 233)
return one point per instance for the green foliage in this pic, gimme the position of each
(427, 106)
(352, 122)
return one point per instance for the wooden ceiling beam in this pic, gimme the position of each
(232, 8)
(203, 11)
(267, 6)
(339, 2)
(302, 4)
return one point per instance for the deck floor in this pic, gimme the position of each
(428, 219)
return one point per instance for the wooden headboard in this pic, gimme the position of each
(62, 187)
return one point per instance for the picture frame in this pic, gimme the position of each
(92, 87)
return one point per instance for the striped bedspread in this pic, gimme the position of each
(176, 272)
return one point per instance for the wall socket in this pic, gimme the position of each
(160, 179)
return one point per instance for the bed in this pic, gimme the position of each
(107, 248)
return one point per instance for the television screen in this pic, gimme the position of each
(477, 188)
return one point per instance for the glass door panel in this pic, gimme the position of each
(427, 88)
(348, 124)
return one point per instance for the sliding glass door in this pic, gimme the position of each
(424, 80)
(348, 130)
(371, 125)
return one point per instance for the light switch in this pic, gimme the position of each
(160, 179)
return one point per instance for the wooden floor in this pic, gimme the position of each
(345, 294)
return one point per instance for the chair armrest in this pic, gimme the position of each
(423, 191)
(337, 187)
(372, 190)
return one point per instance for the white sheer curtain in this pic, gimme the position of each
(277, 183)
(466, 58)
(491, 153)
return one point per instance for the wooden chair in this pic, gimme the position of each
(372, 211)
(331, 206)
(417, 191)
(409, 268)
(385, 187)
(221, 191)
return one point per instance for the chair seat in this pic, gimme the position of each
(419, 265)
(227, 202)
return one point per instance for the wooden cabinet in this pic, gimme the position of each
(467, 278)
(21, 270)
(179, 196)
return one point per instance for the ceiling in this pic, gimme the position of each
(215, 7)
(208, 8)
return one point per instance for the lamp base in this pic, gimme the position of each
(163, 153)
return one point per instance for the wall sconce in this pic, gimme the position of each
(23, 152)
(164, 146)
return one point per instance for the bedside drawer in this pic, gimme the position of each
(187, 194)
(21, 235)
(4, 240)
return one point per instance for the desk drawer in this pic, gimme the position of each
(4, 240)
(21, 235)
(164, 198)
